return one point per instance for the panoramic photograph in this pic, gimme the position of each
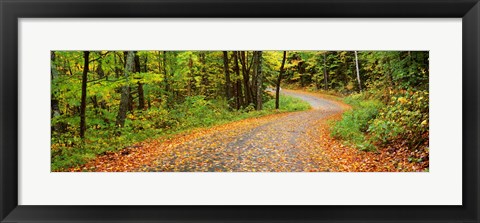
(239, 111)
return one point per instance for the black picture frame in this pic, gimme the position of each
(11, 11)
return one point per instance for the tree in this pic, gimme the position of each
(166, 78)
(279, 80)
(83, 103)
(122, 110)
(141, 96)
(203, 72)
(228, 93)
(358, 72)
(259, 78)
(325, 75)
(53, 66)
(246, 78)
(190, 74)
(238, 85)
(55, 111)
(93, 91)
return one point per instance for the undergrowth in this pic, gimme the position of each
(195, 112)
(400, 120)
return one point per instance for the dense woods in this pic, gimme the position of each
(103, 101)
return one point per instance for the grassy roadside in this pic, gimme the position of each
(397, 122)
(194, 113)
(354, 126)
(370, 123)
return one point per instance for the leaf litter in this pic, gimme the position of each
(287, 142)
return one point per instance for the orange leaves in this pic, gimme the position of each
(177, 152)
(353, 160)
(288, 142)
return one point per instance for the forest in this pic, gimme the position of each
(239, 111)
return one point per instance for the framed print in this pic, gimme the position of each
(239, 111)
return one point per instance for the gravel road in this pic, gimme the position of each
(265, 145)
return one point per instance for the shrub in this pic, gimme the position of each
(384, 131)
(404, 120)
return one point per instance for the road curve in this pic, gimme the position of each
(272, 145)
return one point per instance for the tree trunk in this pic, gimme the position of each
(239, 96)
(203, 72)
(238, 90)
(130, 99)
(55, 110)
(358, 72)
(54, 103)
(122, 111)
(130, 94)
(83, 103)
(141, 97)
(325, 75)
(145, 62)
(279, 80)
(253, 79)
(53, 66)
(100, 72)
(226, 69)
(259, 78)
(189, 77)
(137, 63)
(166, 79)
(118, 71)
(246, 79)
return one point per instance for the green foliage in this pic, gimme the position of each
(397, 79)
(184, 90)
(354, 124)
(404, 119)
(196, 111)
(288, 104)
(370, 123)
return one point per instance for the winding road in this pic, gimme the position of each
(280, 144)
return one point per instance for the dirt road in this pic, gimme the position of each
(280, 144)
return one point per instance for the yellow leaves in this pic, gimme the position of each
(350, 86)
(402, 100)
(424, 123)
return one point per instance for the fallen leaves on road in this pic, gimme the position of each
(287, 142)
(139, 156)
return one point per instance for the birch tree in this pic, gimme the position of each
(358, 72)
